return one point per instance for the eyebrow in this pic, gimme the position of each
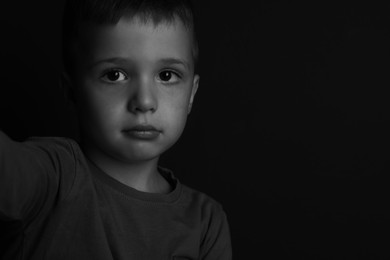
(165, 61)
(174, 61)
(110, 60)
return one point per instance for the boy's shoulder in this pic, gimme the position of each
(198, 196)
(50, 141)
(53, 145)
(214, 227)
(60, 154)
(196, 199)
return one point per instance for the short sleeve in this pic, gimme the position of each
(30, 175)
(217, 242)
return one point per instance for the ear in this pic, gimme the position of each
(67, 88)
(195, 85)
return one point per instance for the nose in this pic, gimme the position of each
(143, 97)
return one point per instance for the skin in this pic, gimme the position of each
(129, 75)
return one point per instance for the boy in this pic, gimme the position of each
(130, 70)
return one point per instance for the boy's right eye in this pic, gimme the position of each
(114, 76)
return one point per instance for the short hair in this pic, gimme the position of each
(111, 11)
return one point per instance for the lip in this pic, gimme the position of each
(143, 132)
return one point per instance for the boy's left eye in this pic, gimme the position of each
(168, 76)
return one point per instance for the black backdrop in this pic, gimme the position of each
(290, 127)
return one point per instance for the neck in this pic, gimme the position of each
(143, 176)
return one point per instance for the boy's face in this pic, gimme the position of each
(134, 85)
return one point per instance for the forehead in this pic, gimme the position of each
(135, 40)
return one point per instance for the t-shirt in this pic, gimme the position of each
(56, 204)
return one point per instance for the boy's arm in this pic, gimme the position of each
(24, 180)
(217, 244)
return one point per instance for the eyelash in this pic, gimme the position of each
(177, 74)
(106, 73)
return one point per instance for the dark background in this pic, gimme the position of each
(290, 126)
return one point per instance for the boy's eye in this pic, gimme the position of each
(168, 76)
(114, 76)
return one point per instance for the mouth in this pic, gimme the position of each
(143, 132)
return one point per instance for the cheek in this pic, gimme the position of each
(100, 111)
(176, 111)
(178, 103)
(180, 98)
